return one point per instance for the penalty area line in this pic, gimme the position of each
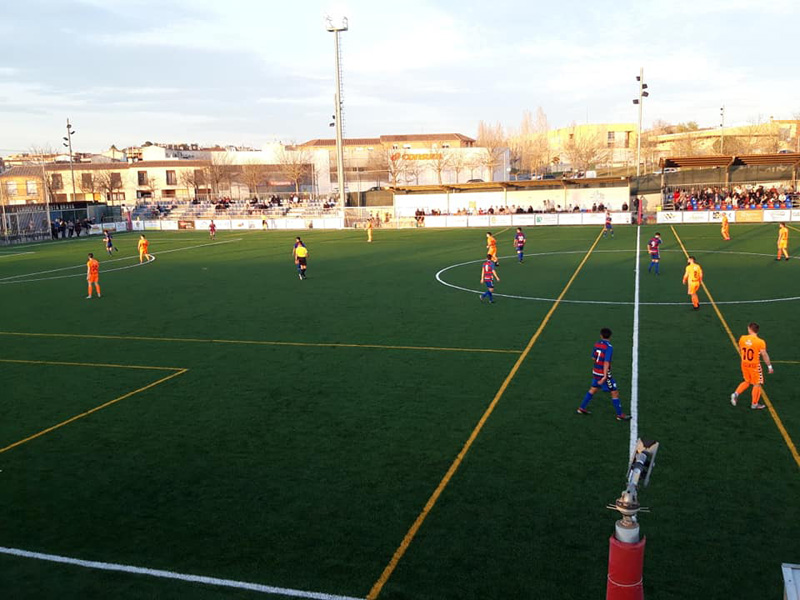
(162, 574)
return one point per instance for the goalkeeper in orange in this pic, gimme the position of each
(491, 247)
(751, 350)
(144, 243)
(93, 275)
(783, 242)
(725, 228)
(693, 275)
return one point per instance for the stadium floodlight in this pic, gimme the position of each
(68, 139)
(638, 101)
(336, 30)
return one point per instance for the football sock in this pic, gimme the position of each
(586, 399)
(650, 268)
(90, 290)
(742, 387)
(756, 393)
(97, 288)
(617, 405)
(489, 294)
(657, 268)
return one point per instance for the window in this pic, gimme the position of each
(56, 182)
(171, 178)
(141, 177)
(395, 147)
(86, 181)
(445, 145)
(31, 189)
(627, 139)
(610, 139)
(116, 180)
(11, 188)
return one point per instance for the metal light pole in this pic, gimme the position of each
(642, 94)
(722, 130)
(68, 144)
(336, 30)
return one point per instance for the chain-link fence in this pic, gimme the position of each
(382, 217)
(19, 224)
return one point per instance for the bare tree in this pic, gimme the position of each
(689, 145)
(107, 182)
(397, 165)
(493, 140)
(539, 154)
(585, 148)
(519, 143)
(457, 160)
(188, 178)
(378, 164)
(89, 184)
(253, 175)
(219, 173)
(439, 162)
(295, 164)
(414, 169)
(472, 162)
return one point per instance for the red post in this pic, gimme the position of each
(625, 568)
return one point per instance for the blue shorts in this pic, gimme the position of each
(609, 386)
(655, 256)
(489, 284)
(520, 248)
(608, 226)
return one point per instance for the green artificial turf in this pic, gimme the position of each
(315, 418)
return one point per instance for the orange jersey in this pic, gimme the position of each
(491, 243)
(724, 222)
(750, 347)
(93, 266)
(693, 273)
(143, 244)
(783, 236)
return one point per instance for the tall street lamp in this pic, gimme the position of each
(336, 30)
(68, 144)
(642, 95)
(722, 130)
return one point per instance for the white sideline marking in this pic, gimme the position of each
(241, 585)
(635, 352)
(438, 277)
(15, 254)
(19, 278)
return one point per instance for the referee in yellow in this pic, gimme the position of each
(300, 254)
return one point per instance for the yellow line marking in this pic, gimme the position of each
(256, 342)
(412, 532)
(786, 362)
(93, 410)
(774, 413)
(795, 228)
(83, 364)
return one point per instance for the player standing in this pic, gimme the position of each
(369, 229)
(488, 275)
(608, 228)
(601, 376)
(783, 241)
(93, 275)
(652, 248)
(143, 246)
(109, 242)
(725, 228)
(751, 349)
(300, 256)
(519, 243)
(693, 275)
(491, 247)
(212, 230)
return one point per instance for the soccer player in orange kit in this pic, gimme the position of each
(143, 245)
(491, 247)
(725, 228)
(93, 275)
(694, 276)
(783, 241)
(751, 349)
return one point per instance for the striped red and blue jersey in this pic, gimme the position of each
(653, 244)
(602, 354)
(488, 270)
(519, 240)
(608, 220)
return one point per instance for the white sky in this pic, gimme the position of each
(252, 71)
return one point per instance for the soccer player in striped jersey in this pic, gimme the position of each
(601, 376)
(609, 228)
(519, 243)
(652, 247)
(488, 275)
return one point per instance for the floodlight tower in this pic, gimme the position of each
(336, 30)
(68, 144)
(642, 94)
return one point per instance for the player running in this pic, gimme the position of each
(212, 230)
(300, 256)
(608, 228)
(110, 247)
(653, 248)
(488, 275)
(93, 275)
(519, 243)
(725, 228)
(751, 349)
(693, 275)
(783, 241)
(601, 376)
(491, 247)
(143, 245)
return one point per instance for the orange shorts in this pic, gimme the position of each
(93, 278)
(753, 376)
(693, 287)
(782, 245)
